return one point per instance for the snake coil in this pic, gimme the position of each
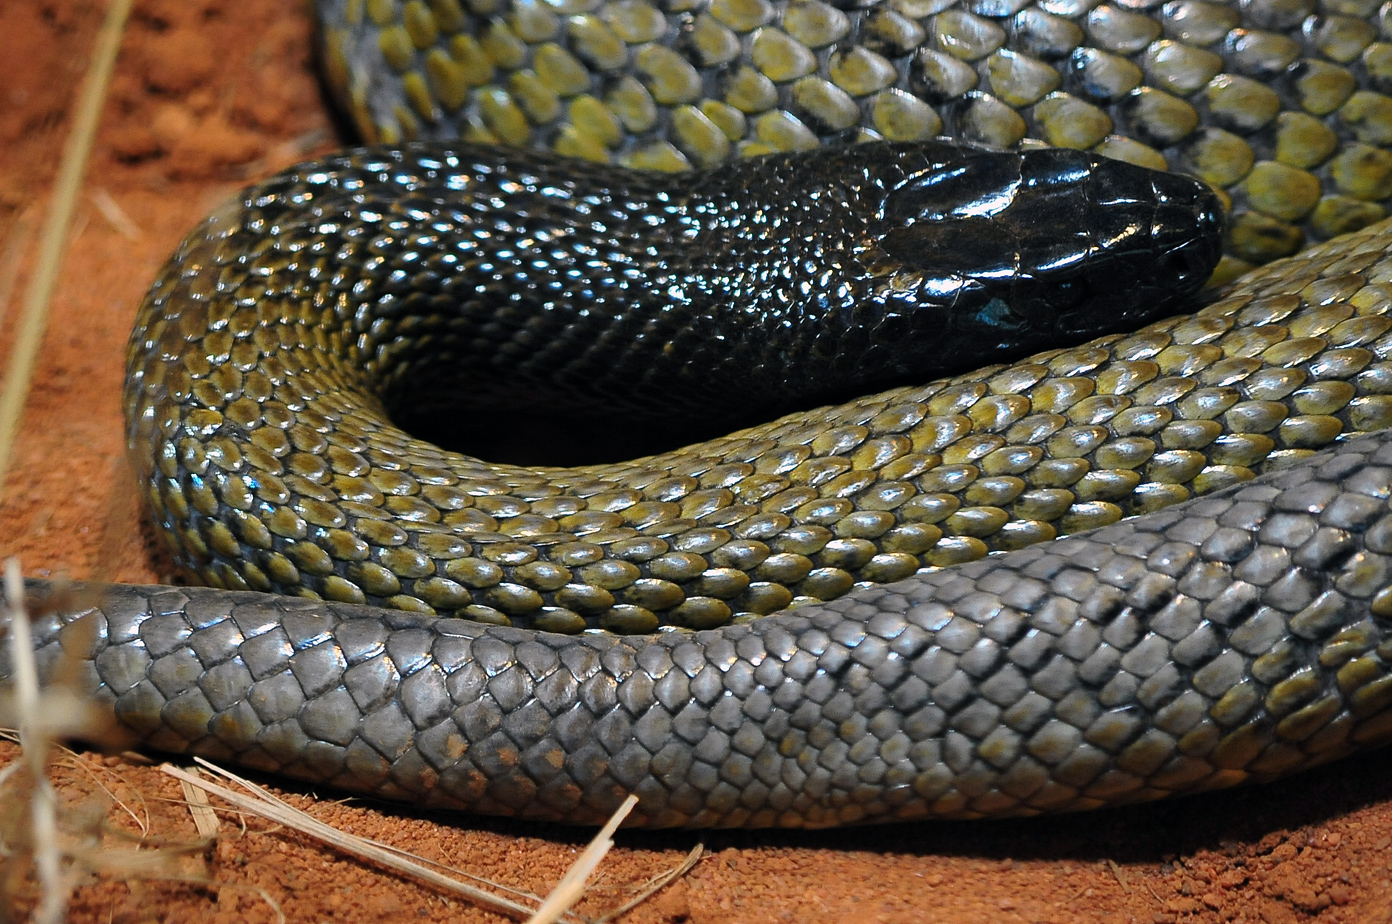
(1236, 629)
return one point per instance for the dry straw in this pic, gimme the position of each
(55, 228)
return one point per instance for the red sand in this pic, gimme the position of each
(209, 95)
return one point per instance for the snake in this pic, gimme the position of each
(1153, 563)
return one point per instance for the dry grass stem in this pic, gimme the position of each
(555, 907)
(655, 884)
(63, 843)
(54, 236)
(572, 885)
(115, 216)
(266, 795)
(12, 257)
(200, 808)
(43, 820)
(267, 806)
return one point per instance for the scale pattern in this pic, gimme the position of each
(1237, 637)
(257, 428)
(1241, 635)
(1281, 103)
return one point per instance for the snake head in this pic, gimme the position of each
(1033, 249)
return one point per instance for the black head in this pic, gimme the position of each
(1050, 240)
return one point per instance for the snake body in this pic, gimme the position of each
(540, 292)
(455, 273)
(1282, 104)
(1234, 635)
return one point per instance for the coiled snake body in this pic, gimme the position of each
(1239, 634)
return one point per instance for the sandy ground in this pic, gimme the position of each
(209, 95)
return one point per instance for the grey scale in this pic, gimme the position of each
(1239, 636)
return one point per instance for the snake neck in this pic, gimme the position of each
(454, 287)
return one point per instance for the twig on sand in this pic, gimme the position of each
(556, 907)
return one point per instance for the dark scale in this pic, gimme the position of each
(566, 311)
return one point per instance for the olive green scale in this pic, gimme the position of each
(1278, 103)
(257, 426)
(1282, 104)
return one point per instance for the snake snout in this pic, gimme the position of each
(1158, 238)
(1053, 232)
(1189, 224)
(1042, 223)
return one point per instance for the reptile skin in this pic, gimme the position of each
(261, 364)
(569, 297)
(1282, 104)
(1237, 636)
